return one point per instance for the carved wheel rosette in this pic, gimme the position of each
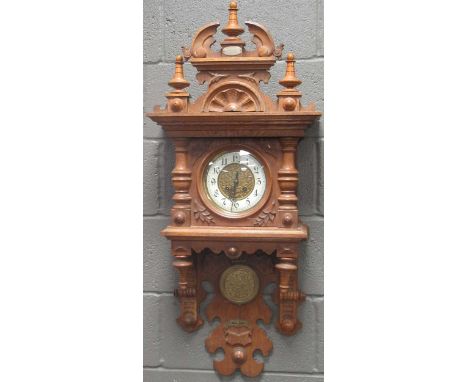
(232, 98)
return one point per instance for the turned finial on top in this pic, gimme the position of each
(178, 81)
(290, 80)
(233, 28)
(289, 98)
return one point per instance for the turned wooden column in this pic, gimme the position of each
(288, 180)
(181, 180)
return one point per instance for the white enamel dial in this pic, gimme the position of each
(235, 181)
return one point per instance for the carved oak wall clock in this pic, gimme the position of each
(234, 222)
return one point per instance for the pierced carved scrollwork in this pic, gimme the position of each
(256, 77)
(261, 38)
(236, 341)
(238, 333)
(213, 77)
(202, 42)
(202, 77)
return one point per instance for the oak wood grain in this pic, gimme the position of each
(235, 114)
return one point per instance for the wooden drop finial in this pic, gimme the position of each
(178, 81)
(290, 80)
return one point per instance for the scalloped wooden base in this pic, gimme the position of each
(237, 334)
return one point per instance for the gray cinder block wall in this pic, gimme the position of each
(170, 354)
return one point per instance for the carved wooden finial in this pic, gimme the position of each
(178, 81)
(289, 98)
(232, 30)
(178, 98)
(290, 80)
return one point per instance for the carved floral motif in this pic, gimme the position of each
(266, 216)
(202, 214)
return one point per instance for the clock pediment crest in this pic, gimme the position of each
(233, 73)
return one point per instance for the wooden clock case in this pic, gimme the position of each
(261, 245)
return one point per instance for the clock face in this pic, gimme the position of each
(235, 181)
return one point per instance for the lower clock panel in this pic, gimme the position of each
(238, 283)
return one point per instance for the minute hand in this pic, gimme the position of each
(234, 188)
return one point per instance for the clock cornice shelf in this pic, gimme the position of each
(199, 125)
(274, 234)
(232, 119)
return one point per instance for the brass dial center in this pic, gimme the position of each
(236, 181)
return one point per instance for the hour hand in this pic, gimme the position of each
(234, 189)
